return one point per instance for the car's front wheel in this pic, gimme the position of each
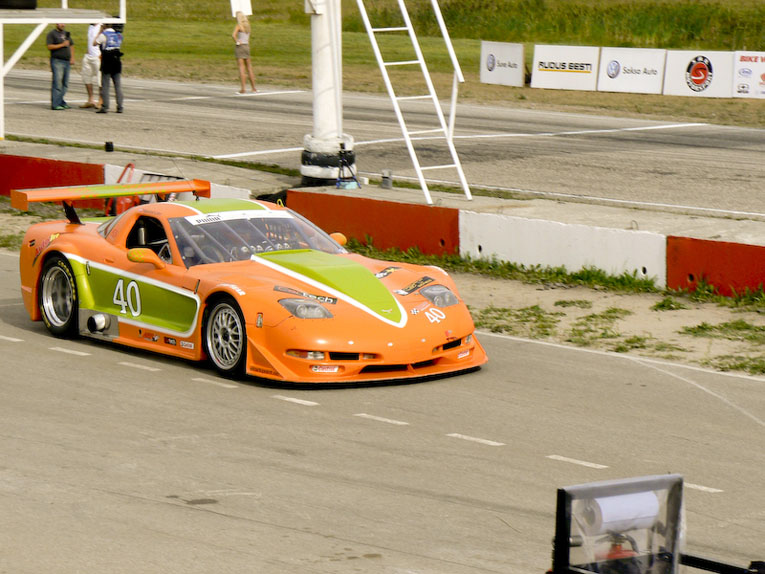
(225, 338)
(57, 297)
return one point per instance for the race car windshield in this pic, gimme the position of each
(218, 238)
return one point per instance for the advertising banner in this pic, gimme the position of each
(631, 70)
(244, 6)
(565, 67)
(699, 73)
(502, 63)
(749, 75)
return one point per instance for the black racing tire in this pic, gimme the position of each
(225, 338)
(57, 297)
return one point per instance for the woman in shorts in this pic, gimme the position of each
(241, 35)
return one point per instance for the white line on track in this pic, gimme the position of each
(296, 401)
(254, 153)
(11, 339)
(216, 383)
(661, 366)
(702, 388)
(623, 356)
(474, 439)
(605, 200)
(380, 419)
(575, 461)
(69, 351)
(537, 135)
(140, 367)
(472, 137)
(702, 488)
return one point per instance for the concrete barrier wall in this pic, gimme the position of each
(434, 230)
(730, 267)
(673, 262)
(20, 172)
(573, 246)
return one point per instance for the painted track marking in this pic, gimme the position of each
(137, 366)
(11, 339)
(69, 351)
(216, 383)
(575, 461)
(475, 439)
(296, 401)
(702, 488)
(380, 419)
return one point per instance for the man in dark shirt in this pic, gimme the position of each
(61, 48)
(110, 42)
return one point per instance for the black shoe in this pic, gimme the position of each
(101, 111)
(119, 110)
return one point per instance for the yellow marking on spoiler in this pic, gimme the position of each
(21, 198)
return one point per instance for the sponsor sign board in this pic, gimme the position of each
(502, 63)
(631, 70)
(749, 75)
(565, 67)
(244, 6)
(699, 73)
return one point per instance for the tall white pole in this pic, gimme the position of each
(319, 164)
(2, 85)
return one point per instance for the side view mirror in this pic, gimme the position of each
(144, 255)
(339, 237)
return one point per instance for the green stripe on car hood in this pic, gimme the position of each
(341, 274)
(218, 205)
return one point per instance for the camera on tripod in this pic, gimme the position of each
(345, 176)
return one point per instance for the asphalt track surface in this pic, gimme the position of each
(542, 153)
(121, 461)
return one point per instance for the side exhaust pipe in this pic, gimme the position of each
(98, 323)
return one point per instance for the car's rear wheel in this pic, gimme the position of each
(57, 297)
(225, 338)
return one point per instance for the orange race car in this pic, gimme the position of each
(252, 286)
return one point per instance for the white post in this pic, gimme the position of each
(322, 148)
(2, 85)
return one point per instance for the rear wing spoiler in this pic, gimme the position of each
(21, 198)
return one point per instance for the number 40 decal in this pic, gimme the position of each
(435, 315)
(130, 299)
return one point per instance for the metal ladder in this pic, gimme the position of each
(446, 130)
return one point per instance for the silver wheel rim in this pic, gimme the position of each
(225, 337)
(57, 296)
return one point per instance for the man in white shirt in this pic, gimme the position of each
(91, 62)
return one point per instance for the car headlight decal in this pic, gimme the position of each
(439, 295)
(305, 308)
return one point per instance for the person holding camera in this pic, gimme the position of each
(61, 47)
(110, 42)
